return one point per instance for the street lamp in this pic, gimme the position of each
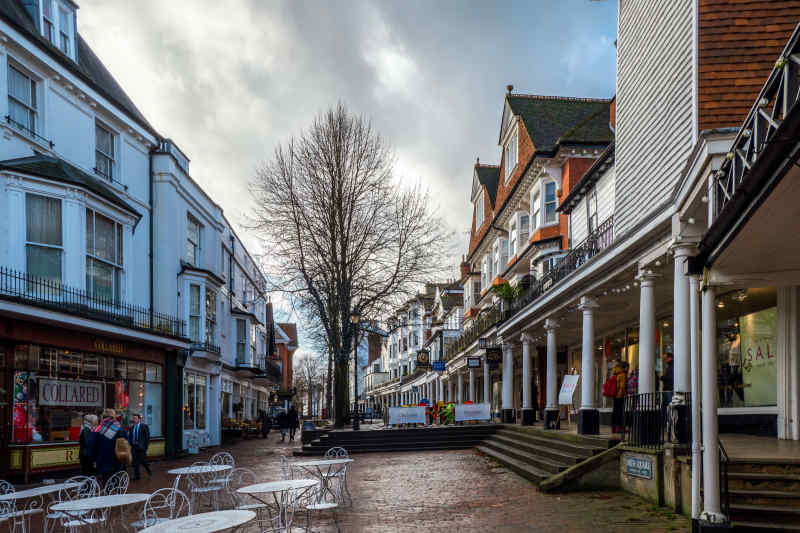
(355, 316)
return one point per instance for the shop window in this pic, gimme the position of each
(188, 401)
(54, 388)
(43, 246)
(103, 257)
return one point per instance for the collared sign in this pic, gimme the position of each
(639, 466)
(473, 362)
(53, 392)
(439, 366)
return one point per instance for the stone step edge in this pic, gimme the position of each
(552, 466)
(598, 441)
(562, 479)
(746, 525)
(764, 508)
(529, 472)
(777, 494)
(539, 447)
(581, 450)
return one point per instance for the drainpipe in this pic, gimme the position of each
(152, 211)
(694, 351)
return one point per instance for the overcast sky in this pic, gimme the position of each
(229, 80)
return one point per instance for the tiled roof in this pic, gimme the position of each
(489, 176)
(290, 328)
(61, 171)
(89, 68)
(553, 120)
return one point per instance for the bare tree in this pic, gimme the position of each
(309, 371)
(342, 231)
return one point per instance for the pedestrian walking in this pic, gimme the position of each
(265, 424)
(618, 415)
(294, 422)
(104, 445)
(283, 424)
(140, 440)
(85, 445)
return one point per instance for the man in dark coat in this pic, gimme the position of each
(294, 422)
(140, 440)
(283, 424)
(104, 445)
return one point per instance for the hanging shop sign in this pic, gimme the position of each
(423, 359)
(639, 466)
(493, 357)
(439, 366)
(473, 362)
(53, 392)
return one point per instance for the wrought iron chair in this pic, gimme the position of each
(162, 505)
(242, 477)
(221, 458)
(87, 487)
(316, 503)
(19, 519)
(337, 452)
(286, 468)
(200, 487)
(117, 484)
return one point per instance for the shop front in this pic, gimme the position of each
(51, 378)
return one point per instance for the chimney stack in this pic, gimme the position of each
(465, 269)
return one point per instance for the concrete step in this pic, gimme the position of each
(739, 526)
(781, 466)
(782, 515)
(378, 449)
(762, 481)
(577, 448)
(592, 441)
(764, 498)
(542, 449)
(522, 468)
(541, 463)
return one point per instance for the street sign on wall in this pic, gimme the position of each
(439, 366)
(473, 362)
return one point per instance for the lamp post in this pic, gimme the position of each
(355, 316)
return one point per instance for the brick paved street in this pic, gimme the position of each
(448, 491)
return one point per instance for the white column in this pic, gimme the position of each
(588, 305)
(712, 512)
(485, 380)
(694, 334)
(550, 326)
(472, 385)
(449, 389)
(460, 398)
(508, 383)
(526, 370)
(647, 332)
(681, 318)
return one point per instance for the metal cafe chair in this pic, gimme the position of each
(117, 484)
(337, 452)
(163, 505)
(87, 487)
(19, 519)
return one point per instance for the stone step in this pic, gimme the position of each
(772, 514)
(781, 466)
(591, 441)
(578, 449)
(378, 449)
(764, 497)
(522, 468)
(543, 450)
(762, 481)
(740, 526)
(542, 463)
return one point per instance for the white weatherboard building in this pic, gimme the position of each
(118, 274)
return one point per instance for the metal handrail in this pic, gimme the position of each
(28, 131)
(723, 480)
(777, 97)
(40, 292)
(206, 347)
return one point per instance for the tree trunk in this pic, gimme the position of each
(328, 385)
(342, 391)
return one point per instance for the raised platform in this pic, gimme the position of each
(372, 439)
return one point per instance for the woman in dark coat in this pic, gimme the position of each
(294, 422)
(283, 424)
(85, 445)
(104, 445)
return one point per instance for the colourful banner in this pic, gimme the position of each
(759, 357)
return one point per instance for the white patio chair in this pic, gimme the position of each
(221, 458)
(19, 519)
(242, 477)
(87, 487)
(200, 487)
(286, 468)
(337, 452)
(117, 484)
(317, 503)
(162, 505)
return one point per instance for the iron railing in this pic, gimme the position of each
(778, 96)
(40, 292)
(646, 419)
(599, 240)
(487, 319)
(205, 347)
(29, 132)
(724, 496)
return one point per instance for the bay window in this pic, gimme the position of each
(253, 337)
(211, 317)
(43, 239)
(513, 234)
(22, 100)
(103, 151)
(103, 257)
(194, 313)
(550, 203)
(496, 268)
(535, 208)
(241, 340)
(591, 211)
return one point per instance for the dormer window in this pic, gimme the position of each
(48, 22)
(65, 31)
(511, 155)
(58, 25)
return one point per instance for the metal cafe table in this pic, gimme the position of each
(77, 509)
(284, 499)
(203, 523)
(317, 469)
(36, 496)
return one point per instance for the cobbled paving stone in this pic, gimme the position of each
(444, 491)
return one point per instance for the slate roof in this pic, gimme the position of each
(61, 171)
(89, 67)
(554, 120)
(489, 176)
